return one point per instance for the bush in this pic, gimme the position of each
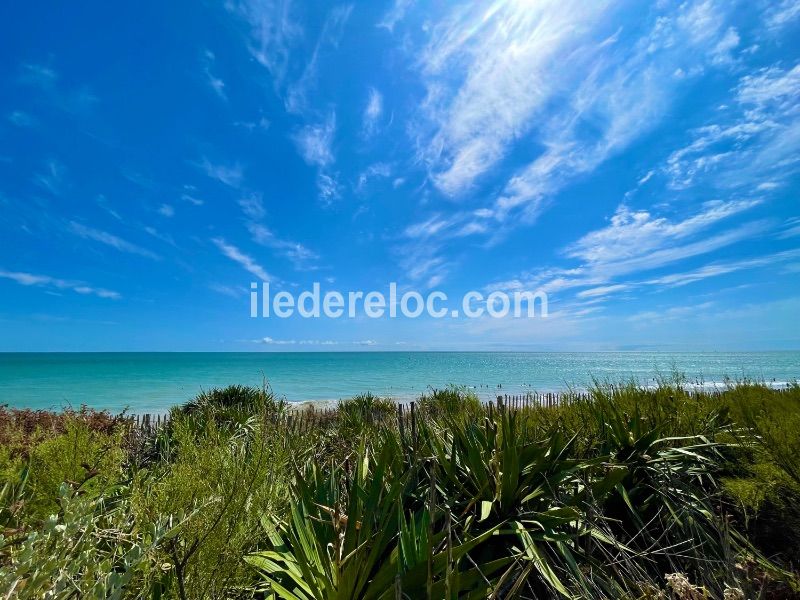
(22, 429)
(220, 481)
(365, 409)
(91, 548)
(451, 401)
(83, 458)
(232, 405)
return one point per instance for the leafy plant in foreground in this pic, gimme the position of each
(92, 548)
(358, 540)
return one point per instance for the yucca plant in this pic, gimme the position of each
(365, 409)
(452, 401)
(352, 535)
(536, 490)
(664, 505)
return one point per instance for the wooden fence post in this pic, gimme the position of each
(414, 425)
(400, 426)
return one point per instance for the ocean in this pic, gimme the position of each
(152, 382)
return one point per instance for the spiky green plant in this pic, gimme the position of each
(351, 535)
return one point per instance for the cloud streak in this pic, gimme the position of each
(231, 175)
(111, 240)
(242, 259)
(638, 242)
(30, 279)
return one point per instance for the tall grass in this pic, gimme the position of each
(629, 493)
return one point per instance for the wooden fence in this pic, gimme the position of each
(308, 418)
(301, 420)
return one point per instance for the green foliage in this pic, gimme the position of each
(635, 506)
(599, 497)
(91, 548)
(351, 535)
(234, 404)
(222, 479)
(775, 419)
(451, 401)
(12, 498)
(82, 457)
(365, 409)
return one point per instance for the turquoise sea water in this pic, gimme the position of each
(152, 382)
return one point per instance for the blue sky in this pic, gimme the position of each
(638, 162)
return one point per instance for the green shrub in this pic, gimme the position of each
(243, 397)
(365, 409)
(221, 480)
(83, 458)
(450, 401)
(231, 407)
(90, 548)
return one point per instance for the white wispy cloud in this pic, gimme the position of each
(671, 313)
(75, 100)
(506, 57)
(782, 13)
(252, 206)
(638, 242)
(190, 195)
(723, 268)
(260, 124)
(759, 138)
(633, 234)
(159, 235)
(312, 342)
(395, 14)
(315, 142)
(298, 92)
(421, 251)
(374, 171)
(110, 240)
(422, 262)
(372, 113)
(272, 31)
(166, 210)
(722, 52)
(30, 279)
(496, 81)
(603, 290)
(329, 187)
(791, 228)
(274, 37)
(624, 95)
(52, 177)
(230, 174)
(226, 290)
(216, 83)
(275, 41)
(20, 118)
(302, 257)
(246, 262)
(104, 204)
(41, 76)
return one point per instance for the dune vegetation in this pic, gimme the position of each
(627, 493)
